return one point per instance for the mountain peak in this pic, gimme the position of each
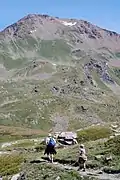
(46, 27)
(30, 16)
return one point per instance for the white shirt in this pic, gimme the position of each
(47, 140)
(82, 151)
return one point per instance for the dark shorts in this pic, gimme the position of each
(50, 150)
(82, 160)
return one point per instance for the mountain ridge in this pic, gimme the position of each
(78, 33)
(53, 18)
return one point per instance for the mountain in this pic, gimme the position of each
(58, 73)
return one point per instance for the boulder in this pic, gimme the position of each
(108, 159)
(98, 157)
(58, 178)
(19, 176)
(15, 177)
(67, 135)
(67, 138)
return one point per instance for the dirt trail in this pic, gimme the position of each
(98, 174)
(91, 173)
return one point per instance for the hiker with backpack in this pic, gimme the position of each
(50, 147)
(82, 158)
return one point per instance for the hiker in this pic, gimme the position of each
(50, 147)
(82, 158)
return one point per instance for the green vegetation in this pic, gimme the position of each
(22, 106)
(17, 53)
(10, 133)
(114, 145)
(99, 82)
(117, 72)
(10, 164)
(117, 54)
(49, 172)
(10, 63)
(57, 49)
(8, 138)
(94, 133)
(24, 144)
(97, 152)
(28, 44)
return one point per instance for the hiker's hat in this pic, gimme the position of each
(49, 135)
(82, 145)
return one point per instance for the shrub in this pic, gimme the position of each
(93, 133)
(10, 164)
(114, 145)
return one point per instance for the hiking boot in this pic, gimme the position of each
(51, 161)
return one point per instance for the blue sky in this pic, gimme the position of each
(104, 13)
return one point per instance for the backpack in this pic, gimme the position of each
(51, 142)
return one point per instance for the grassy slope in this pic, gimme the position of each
(115, 74)
(35, 109)
(97, 151)
(51, 173)
(21, 106)
(10, 164)
(12, 133)
(17, 53)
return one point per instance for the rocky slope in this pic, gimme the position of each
(58, 72)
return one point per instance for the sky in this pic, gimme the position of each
(104, 13)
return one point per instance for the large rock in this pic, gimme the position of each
(15, 177)
(98, 157)
(67, 138)
(67, 135)
(19, 176)
(108, 159)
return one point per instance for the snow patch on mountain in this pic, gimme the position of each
(32, 31)
(68, 23)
